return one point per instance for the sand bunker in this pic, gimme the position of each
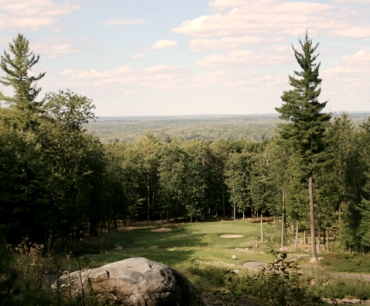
(231, 236)
(161, 230)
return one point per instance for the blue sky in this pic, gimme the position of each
(185, 57)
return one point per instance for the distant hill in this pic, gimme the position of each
(206, 127)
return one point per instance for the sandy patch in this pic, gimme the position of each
(161, 230)
(254, 265)
(231, 236)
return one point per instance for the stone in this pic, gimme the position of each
(118, 248)
(133, 282)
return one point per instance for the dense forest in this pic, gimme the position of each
(58, 180)
(208, 128)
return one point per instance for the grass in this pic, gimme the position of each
(182, 246)
(192, 234)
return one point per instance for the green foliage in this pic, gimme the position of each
(213, 276)
(279, 284)
(340, 288)
(69, 109)
(238, 173)
(305, 130)
(53, 176)
(17, 65)
(350, 263)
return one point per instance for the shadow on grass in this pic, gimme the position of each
(188, 235)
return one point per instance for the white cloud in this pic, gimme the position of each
(243, 58)
(164, 43)
(126, 22)
(349, 81)
(54, 48)
(163, 76)
(275, 18)
(225, 43)
(352, 66)
(225, 4)
(32, 14)
(136, 56)
(352, 1)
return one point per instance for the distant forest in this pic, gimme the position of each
(207, 127)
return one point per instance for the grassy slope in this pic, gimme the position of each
(184, 244)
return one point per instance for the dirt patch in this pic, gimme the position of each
(231, 236)
(161, 230)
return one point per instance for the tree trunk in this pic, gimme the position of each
(318, 241)
(261, 226)
(148, 198)
(243, 215)
(168, 207)
(304, 237)
(296, 237)
(223, 194)
(312, 218)
(234, 206)
(282, 219)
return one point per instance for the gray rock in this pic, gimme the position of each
(134, 282)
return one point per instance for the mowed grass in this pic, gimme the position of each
(184, 244)
(205, 234)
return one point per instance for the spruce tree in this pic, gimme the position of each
(306, 125)
(17, 64)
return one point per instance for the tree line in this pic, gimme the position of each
(57, 180)
(54, 178)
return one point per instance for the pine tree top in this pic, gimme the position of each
(17, 64)
(301, 108)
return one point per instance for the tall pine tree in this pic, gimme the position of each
(306, 122)
(17, 65)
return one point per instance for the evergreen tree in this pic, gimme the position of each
(306, 122)
(17, 64)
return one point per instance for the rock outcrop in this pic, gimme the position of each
(133, 282)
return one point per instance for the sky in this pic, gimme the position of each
(189, 57)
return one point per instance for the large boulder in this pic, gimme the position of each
(135, 281)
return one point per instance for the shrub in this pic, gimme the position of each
(279, 285)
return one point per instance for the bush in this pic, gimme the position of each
(340, 288)
(278, 285)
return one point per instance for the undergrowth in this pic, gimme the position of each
(350, 263)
